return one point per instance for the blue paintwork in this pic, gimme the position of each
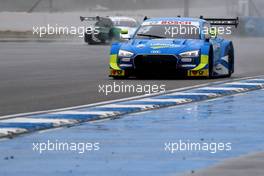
(28, 126)
(243, 86)
(222, 92)
(124, 110)
(66, 116)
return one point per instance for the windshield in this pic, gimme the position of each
(126, 23)
(168, 31)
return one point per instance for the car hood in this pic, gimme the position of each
(162, 46)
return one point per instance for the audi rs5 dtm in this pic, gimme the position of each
(158, 47)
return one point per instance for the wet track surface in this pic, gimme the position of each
(40, 76)
(134, 145)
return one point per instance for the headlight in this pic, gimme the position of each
(124, 53)
(190, 54)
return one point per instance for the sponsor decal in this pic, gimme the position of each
(155, 52)
(163, 45)
(169, 22)
(198, 72)
(117, 72)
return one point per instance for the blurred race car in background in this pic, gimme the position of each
(108, 29)
(154, 50)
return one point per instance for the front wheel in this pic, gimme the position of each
(211, 62)
(230, 55)
(120, 77)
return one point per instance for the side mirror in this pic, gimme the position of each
(213, 33)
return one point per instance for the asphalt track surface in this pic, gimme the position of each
(38, 76)
(251, 164)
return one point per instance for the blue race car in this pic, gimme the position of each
(161, 47)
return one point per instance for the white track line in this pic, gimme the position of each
(39, 120)
(6, 131)
(251, 78)
(103, 113)
(245, 83)
(195, 93)
(223, 88)
(113, 101)
(176, 100)
(126, 106)
(256, 79)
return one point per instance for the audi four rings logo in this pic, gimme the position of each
(155, 51)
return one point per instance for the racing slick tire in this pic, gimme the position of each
(211, 62)
(230, 54)
(88, 39)
(120, 77)
(117, 77)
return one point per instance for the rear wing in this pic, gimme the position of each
(97, 18)
(222, 21)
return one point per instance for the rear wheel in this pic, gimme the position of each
(88, 38)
